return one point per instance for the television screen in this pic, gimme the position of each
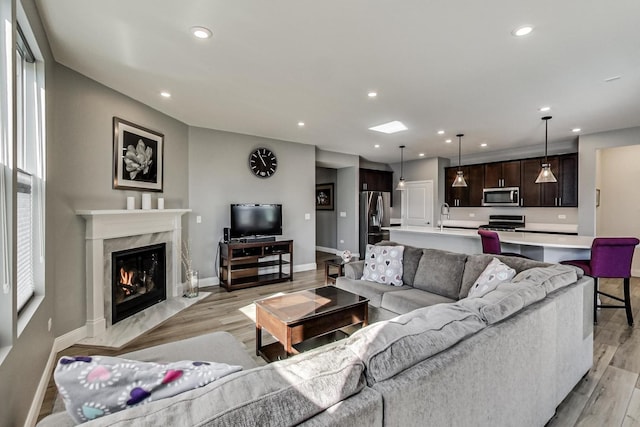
(255, 220)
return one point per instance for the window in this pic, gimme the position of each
(30, 174)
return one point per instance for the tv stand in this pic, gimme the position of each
(254, 263)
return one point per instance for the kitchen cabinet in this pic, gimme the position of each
(470, 196)
(502, 174)
(563, 193)
(376, 180)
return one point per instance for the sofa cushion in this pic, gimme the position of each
(476, 264)
(383, 264)
(287, 392)
(392, 346)
(410, 261)
(504, 301)
(495, 273)
(440, 272)
(554, 277)
(371, 290)
(409, 300)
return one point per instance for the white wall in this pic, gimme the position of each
(219, 175)
(620, 204)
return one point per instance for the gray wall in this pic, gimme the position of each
(219, 175)
(80, 177)
(326, 226)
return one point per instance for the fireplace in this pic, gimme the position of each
(137, 280)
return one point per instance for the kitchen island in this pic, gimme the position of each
(538, 246)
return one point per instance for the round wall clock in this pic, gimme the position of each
(263, 163)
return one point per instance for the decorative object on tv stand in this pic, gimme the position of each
(137, 157)
(324, 197)
(546, 175)
(160, 203)
(191, 286)
(346, 255)
(146, 201)
(459, 181)
(131, 203)
(400, 186)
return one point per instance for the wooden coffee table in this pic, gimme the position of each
(307, 319)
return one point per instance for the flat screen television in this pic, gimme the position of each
(255, 220)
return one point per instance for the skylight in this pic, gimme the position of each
(391, 127)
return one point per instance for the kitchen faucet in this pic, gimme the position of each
(444, 210)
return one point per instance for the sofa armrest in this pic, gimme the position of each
(354, 270)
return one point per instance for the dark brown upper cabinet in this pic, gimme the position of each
(376, 180)
(469, 196)
(563, 193)
(502, 174)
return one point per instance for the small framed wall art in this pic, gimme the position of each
(324, 197)
(138, 161)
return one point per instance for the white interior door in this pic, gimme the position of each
(417, 203)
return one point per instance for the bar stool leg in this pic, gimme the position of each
(595, 300)
(627, 302)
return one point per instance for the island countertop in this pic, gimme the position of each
(540, 246)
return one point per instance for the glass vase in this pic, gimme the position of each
(191, 286)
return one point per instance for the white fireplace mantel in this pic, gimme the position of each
(112, 224)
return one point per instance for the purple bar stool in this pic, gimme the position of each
(611, 258)
(491, 244)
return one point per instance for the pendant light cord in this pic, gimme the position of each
(402, 161)
(546, 138)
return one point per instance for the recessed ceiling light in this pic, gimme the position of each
(544, 109)
(201, 32)
(372, 94)
(612, 79)
(391, 127)
(421, 154)
(522, 31)
(301, 124)
(484, 144)
(165, 94)
(376, 146)
(576, 130)
(440, 132)
(448, 141)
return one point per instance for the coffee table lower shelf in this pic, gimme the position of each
(275, 351)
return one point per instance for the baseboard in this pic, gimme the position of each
(69, 339)
(328, 250)
(305, 267)
(38, 397)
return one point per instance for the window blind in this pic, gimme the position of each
(24, 221)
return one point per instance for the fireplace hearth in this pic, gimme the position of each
(138, 280)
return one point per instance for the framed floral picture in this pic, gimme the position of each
(324, 197)
(138, 161)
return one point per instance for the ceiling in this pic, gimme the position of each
(436, 65)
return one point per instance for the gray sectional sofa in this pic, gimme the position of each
(507, 358)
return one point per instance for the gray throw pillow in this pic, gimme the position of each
(440, 272)
(410, 261)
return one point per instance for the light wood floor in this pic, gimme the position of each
(608, 396)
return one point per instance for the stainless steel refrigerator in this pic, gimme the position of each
(375, 212)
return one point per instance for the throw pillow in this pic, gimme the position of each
(383, 264)
(94, 386)
(495, 273)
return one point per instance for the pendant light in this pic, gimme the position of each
(400, 186)
(459, 181)
(545, 175)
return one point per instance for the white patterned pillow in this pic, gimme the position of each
(95, 386)
(495, 273)
(383, 264)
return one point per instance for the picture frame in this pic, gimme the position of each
(324, 197)
(138, 157)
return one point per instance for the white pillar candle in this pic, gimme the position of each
(160, 202)
(146, 200)
(131, 203)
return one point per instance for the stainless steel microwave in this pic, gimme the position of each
(505, 196)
